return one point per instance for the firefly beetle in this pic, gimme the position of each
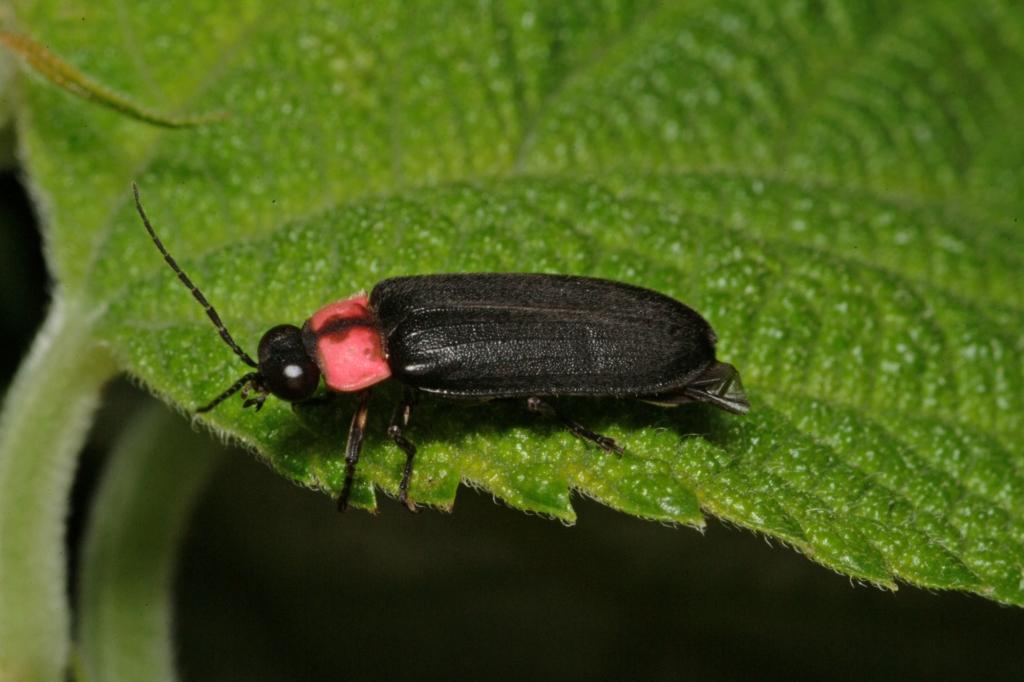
(484, 336)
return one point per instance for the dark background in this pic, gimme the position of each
(276, 585)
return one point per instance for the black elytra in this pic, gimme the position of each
(485, 336)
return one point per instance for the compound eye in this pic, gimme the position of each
(285, 368)
(293, 379)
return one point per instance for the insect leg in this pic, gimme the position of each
(400, 422)
(242, 384)
(718, 385)
(354, 447)
(575, 428)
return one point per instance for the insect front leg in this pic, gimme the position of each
(541, 406)
(400, 422)
(354, 447)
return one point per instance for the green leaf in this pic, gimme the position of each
(827, 182)
(45, 418)
(65, 75)
(155, 473)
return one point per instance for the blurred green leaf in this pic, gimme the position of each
(154, 476)
(64, 75)
(833, 184)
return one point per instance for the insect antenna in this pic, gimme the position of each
(210, 311)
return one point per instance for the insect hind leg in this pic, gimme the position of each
(718, 385)
(400, 422)
(541, 406)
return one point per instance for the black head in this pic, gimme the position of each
(284, 369)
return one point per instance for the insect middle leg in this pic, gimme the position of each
(541, 406)
(400, 422)
(354, 446)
